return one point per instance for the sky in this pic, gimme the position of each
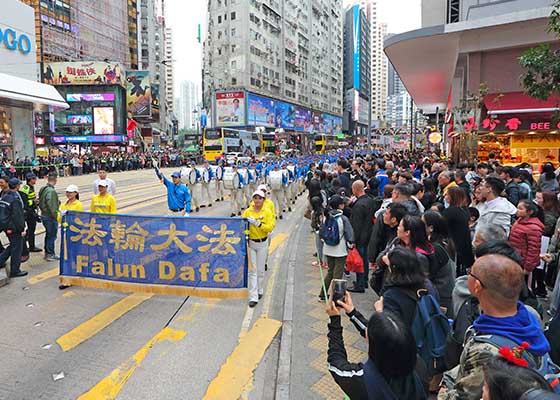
(183, 16)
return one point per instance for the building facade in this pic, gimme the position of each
(285, 49)
(470, 49)
(357, 72)
(189, 101)
(169, 71)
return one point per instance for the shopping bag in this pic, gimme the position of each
(354, 262)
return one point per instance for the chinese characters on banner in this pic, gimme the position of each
(84, 73)
(184, 256)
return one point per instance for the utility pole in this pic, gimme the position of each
(411, 137)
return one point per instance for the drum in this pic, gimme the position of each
(286, 180)
(204, 174)
(245, 174)
(275, 180)
(231, 180)
(188, 176)
(253, 173)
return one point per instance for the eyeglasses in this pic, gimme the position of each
(469, 272)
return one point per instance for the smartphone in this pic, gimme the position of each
(339, 290)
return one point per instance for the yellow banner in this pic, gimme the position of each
(546, 141)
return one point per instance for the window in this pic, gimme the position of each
(219, 19)
(225, 17)
(233, 15)
(219, 34)
(233, 31)
(219, 51)
(233, 64)
(234, 81)
(233, 48)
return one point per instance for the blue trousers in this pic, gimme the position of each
(51, 229)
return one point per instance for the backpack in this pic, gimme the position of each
(544, 365)
(5, 214)
(329, 232)
(430, 329)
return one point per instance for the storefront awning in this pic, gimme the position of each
(27, 91)
(519, 103)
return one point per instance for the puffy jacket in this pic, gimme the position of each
(498, 211)
(525, 237)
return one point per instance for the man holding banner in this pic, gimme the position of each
(262, 222)
(178, 195)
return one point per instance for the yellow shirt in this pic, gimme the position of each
(103, 204)
(267, 219)
(267, 204)
(75, 206)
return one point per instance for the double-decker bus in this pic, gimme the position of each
(324, 143)
(218, 142)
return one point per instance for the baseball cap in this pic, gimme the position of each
(13, 182)
(259, 193)
(30, 176)
(103, 182)
(176, 174)
(262, 188)
(72, 188)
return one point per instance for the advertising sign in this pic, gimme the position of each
(230, 109)
(356, 43)
(89, 97)
(155, 102)
(138, 93)
(79, 119)
(84, 73)
(302, 120)
(260, 111)
(317, 122)
(88, 139)
(103, 120)
(332, 125)
(284, 115)
(188, 256)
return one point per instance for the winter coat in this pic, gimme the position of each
(498, 211)
(525, 237)
(346, 236)
(550, 218)
(362, 220)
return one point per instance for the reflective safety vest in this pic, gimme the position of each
(30, 192)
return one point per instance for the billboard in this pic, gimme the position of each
(302, 119)
(356, 39)
(84, 73)
(230, 109)
(103, 120)
(332, 125)
(89, 97)
(317, 122)
(88, 139)
(284, 115)
(138, 93)
(155, 102)
(79, 119)
(260, 111)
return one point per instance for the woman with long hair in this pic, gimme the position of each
(457, 218)
(525, 236)
(317, 218)
(430, 192)
(551, 208)
(547, 180)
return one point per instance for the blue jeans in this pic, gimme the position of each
(51, 228)
(362, 277)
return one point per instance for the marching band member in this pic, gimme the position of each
(219, 181)
(261, 223)
(277, 192)
(237, 193)
(205, 192)
(246, 192)
(286, 189)
(195, 202)
(178, 196)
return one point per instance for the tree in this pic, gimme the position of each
(542, 64)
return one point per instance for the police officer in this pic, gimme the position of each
(15, 229)
(178, 196)
(31, 216)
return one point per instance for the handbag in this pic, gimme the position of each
(354, 262)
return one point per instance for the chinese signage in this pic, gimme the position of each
(138, 93)
(230, 109)
(187, 256)
(546, 141)
(260, 111)
(84, 73)
(517, 124)
(356, 39)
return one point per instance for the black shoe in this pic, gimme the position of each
(197, 209)
(18, 274)
(321, 299)
(35, 250)
(266, 267)
(260, 296)
(239, 214)
(209, 205)
(232, 215)
(280, 217)
(202, 206)
(290, 209)
(62, 287)
(252, 304)
(217, 200)
(356, 290)
(222, 199)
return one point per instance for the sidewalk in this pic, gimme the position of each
(310, 378)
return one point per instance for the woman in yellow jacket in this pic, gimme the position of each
(72, 203)
(261, 223)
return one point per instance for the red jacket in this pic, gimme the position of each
(525, 237)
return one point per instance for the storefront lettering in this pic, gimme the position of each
(14, 42)
(514, 124)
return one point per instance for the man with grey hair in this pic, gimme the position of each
(402, 193)
(486, 232)
(446, 180)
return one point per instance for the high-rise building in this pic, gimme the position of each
(189, 101)
(357, 69)
(169, 72)
(81, 30)
(285, 49)
(133, 32)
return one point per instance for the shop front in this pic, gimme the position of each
(21, 97)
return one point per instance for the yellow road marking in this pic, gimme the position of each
(70, 293)
(109, 387)
(238, 369)
(276, 241)
(51, 273)
(86, 330)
